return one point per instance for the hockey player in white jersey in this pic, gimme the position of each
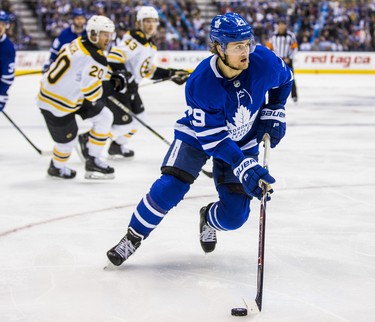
(226, 118)
(136, 52)
(77, 83)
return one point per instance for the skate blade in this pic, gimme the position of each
(92, 175)
(50, 177)
(116, 157)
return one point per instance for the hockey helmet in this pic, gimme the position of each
(122, 26)
(147, 12)
(231, 27)
(96, 24)
(4, 17)
(76, 12)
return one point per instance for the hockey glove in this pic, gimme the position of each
(46, 66)
(179, 76)
(252, 176)
(119, 79)
(272, 121)
(3, 101)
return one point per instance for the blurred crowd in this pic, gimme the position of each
(181, 26)
(16, 31)
(345, 25)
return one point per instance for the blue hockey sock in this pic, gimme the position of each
(165, 193)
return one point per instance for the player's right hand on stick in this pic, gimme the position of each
(252, 176)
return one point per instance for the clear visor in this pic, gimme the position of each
(106, 35)
(240, 48)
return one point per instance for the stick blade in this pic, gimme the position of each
(251, 305)
(46, 153)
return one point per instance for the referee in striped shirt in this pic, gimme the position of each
(284, 44)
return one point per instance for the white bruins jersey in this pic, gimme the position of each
(75, 75)
(137, 53)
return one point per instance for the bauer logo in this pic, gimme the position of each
(245, 165)
(272, 114)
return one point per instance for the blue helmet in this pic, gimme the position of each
(4, 17)
(78, 12)
(231, 27)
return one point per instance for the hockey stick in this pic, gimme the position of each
(159, 81)
(262, 226)
(115, 101)
(32, 72)
(24, 135)
(255, 306)
(155, 82)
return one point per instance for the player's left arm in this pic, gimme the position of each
(93, 76)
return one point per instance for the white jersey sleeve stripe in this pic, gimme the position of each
(57, 106)
(92, 87)
(94, 95)
(212, 131)
(59, 99)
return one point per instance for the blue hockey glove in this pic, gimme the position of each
(46, 66)
(252, 175)
(3, 101)
(272, 121)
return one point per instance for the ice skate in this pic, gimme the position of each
(97, 169)
(63, 173)
(124, 249)
(116, 149)
(207, 234)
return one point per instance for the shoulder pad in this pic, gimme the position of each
(94, 51)
(139, 36)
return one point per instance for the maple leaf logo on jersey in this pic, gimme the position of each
(242, 123)
(217, 23)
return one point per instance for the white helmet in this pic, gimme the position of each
(96, 24)
(147, 12)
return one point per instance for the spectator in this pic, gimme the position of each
(305, 45)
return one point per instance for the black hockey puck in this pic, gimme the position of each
(239, 311)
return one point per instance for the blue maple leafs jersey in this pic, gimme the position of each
(223, 114)
(65, 37)
(7, 58)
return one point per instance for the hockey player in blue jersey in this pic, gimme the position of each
(66, 36)
(7, 58)
(226, 119)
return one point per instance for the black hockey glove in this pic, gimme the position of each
(179, 76)
(132, 88)
(119, 79)
(272, 121)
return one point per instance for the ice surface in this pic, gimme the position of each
(320, 238)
